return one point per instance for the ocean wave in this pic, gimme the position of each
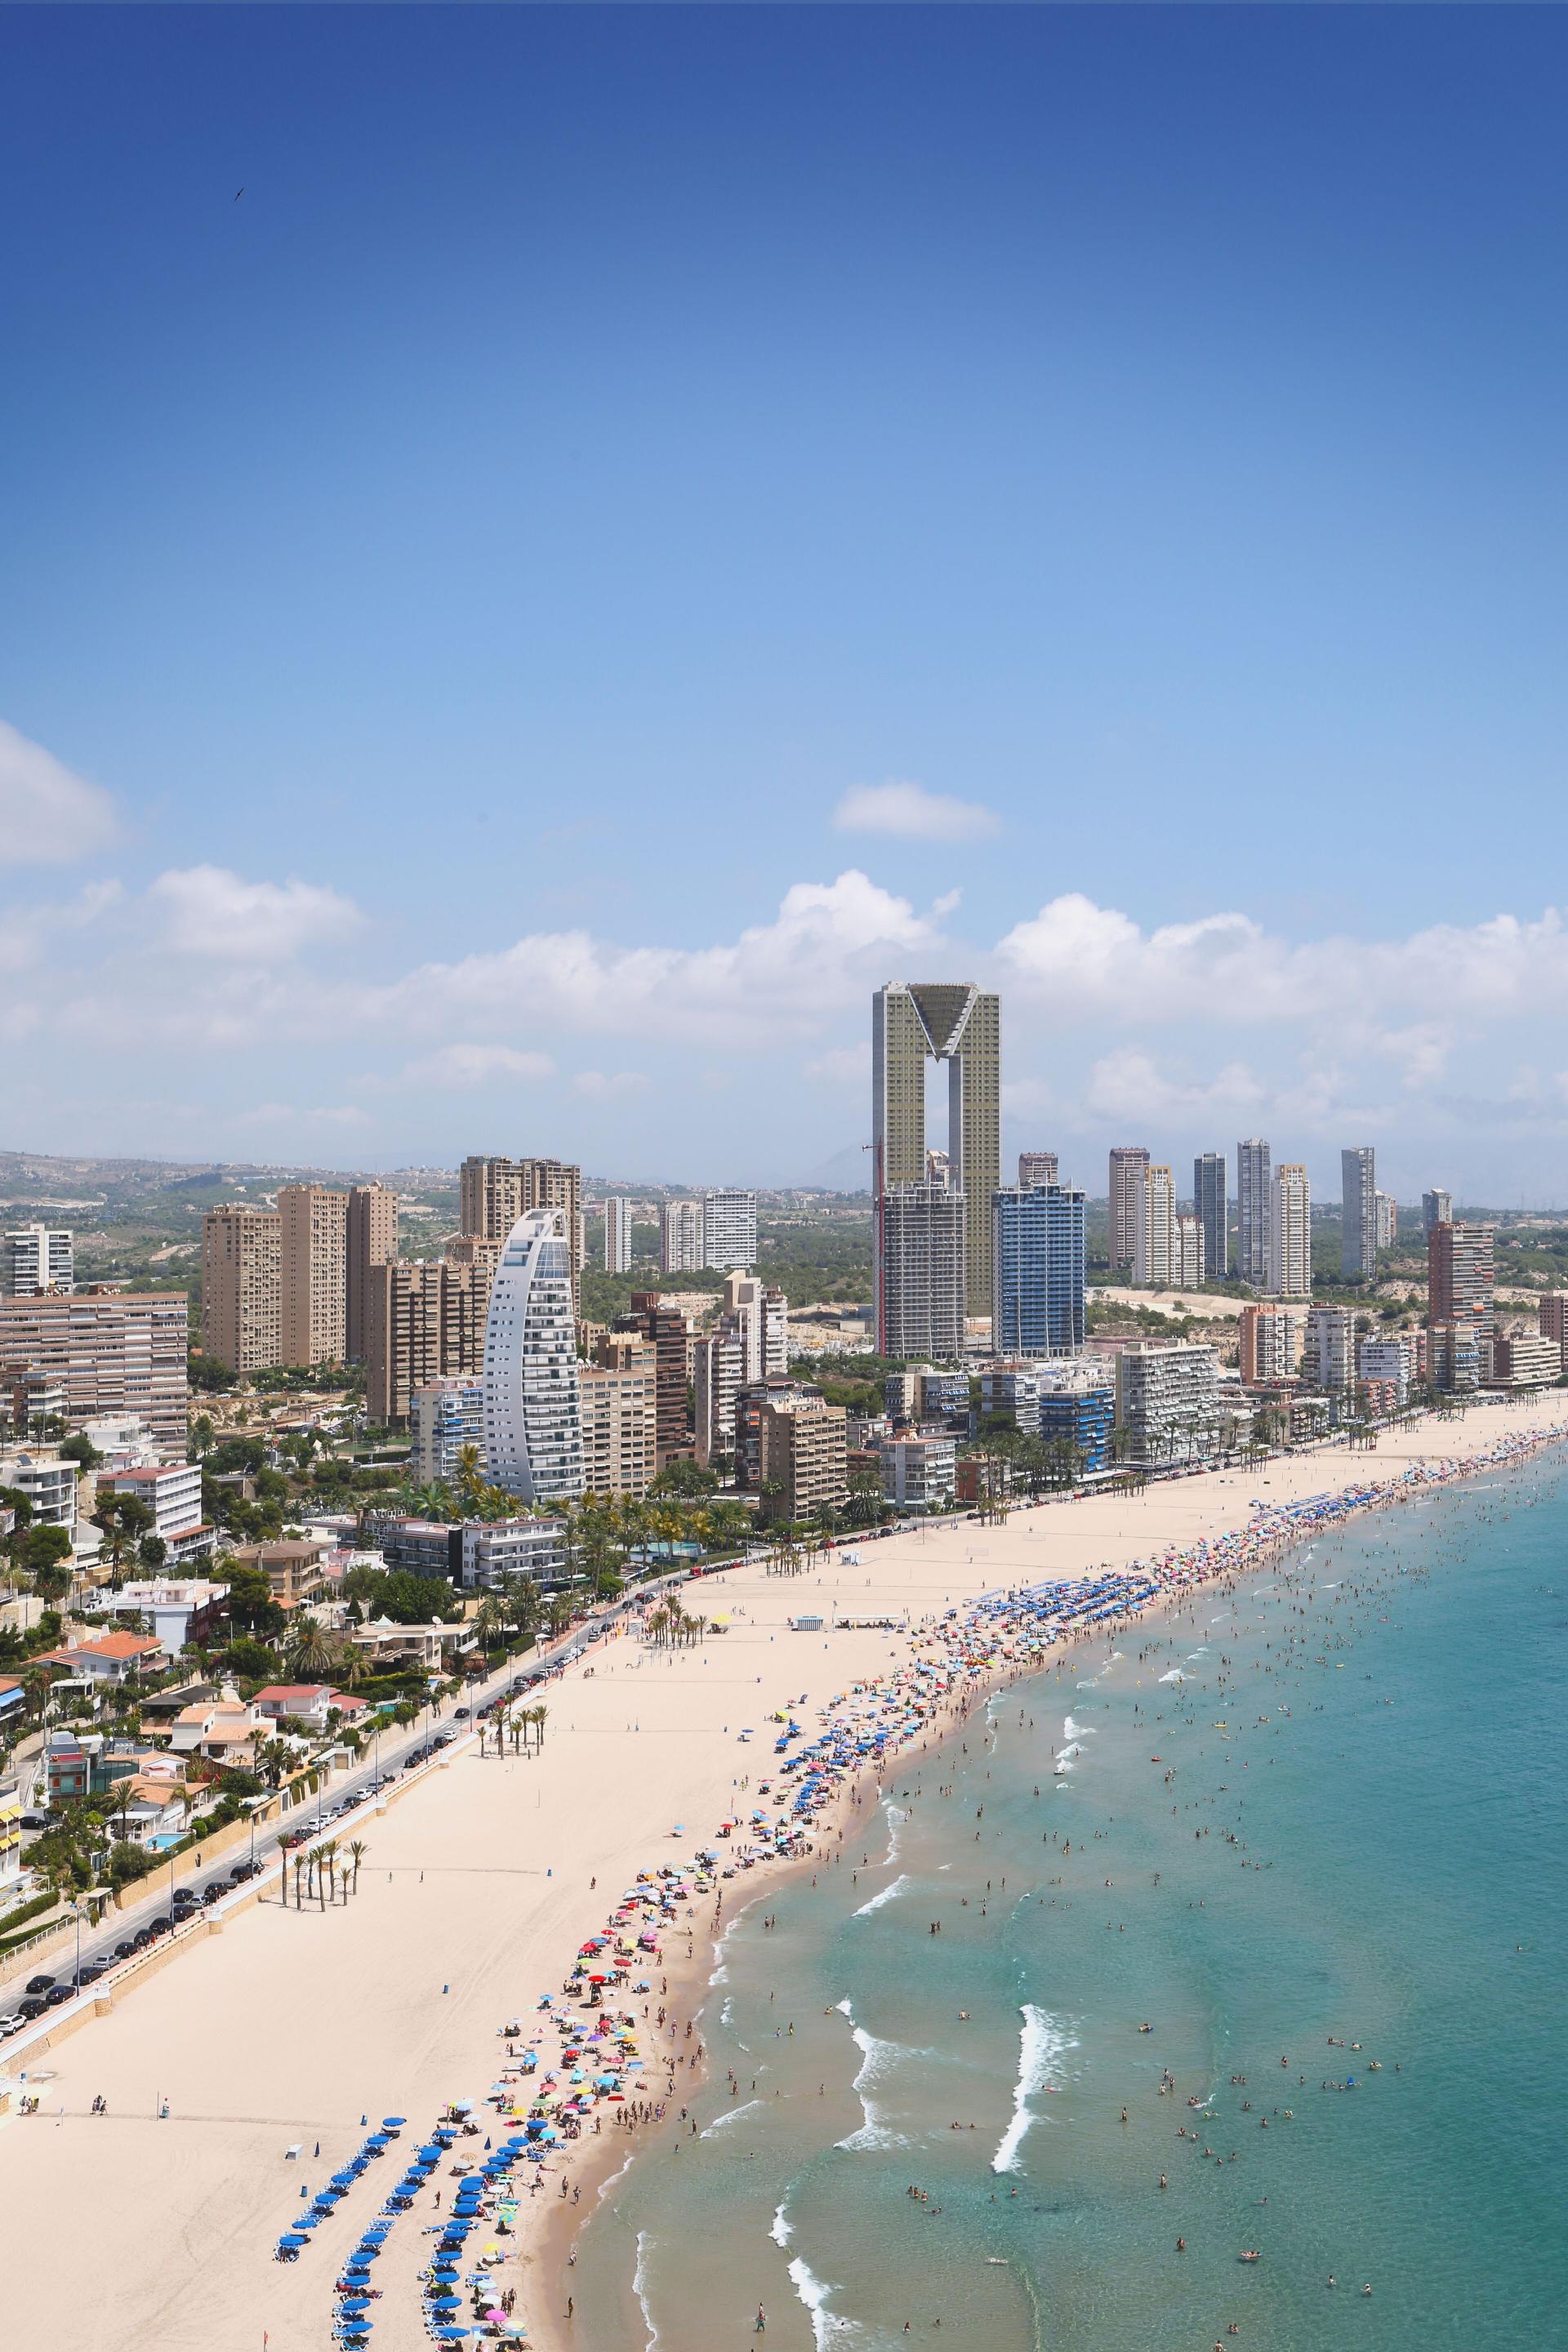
(782, 2230)
(728, 2117)
(878, 2059)
(639, 2288)
(1042, 2045)
(825, 2324)
(1071, 1730)
(886, 1894)
(1175, 1676)
(728, 2011)
(897, 1816)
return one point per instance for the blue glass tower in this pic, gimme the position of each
(1038, 1270)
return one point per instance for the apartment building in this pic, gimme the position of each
(1209, 1204)
(729, 1229)
(618, 1401)
(172, 1493)
(1038, 1268)
(35, 1258)
(1189, 1253)
(1551, 1314)
(1387, 1221)
(920, 1270)
(1522, 1360)
(681, 1237)
(425, 1323)
(1358, 1214)
(372, 1242)
(1154, 1230)
(919, 1474)
(803, 1462)
(1437, 1208)
(1167, 1399)
(718, 1376)
(1460, 1276)
(111, 1352)
(315, 1274)
(1254, 1211)
(1291, 1234)
(664, 1323)
(1329, 1349)
(1036, 1168)
(242, 1289)
(1128, 1167)
(444, 1418)
(1271, 1339)
(1387, 1364)
(494, 1192)
(617, 1237)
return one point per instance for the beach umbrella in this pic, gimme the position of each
(391, 2122)
(293, 2238)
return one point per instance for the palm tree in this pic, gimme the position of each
(298, 1874)
(308, 1652)
(119, 1799)
(327, 1868)
(536, 1716)
(357, 1852)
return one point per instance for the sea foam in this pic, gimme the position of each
(878, 2060)
(825, 2324)
(896, 1887)
(1041, 2046)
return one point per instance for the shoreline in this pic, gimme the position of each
(279, 2031)
(548, 2264)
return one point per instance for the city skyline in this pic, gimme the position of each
(481, 570)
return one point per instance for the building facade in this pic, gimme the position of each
(803, 1450)
(1036, 1168)
(1358, 1214)
(1154, 1230)
(921, 1245)
(533, 1434)
(1437, 1208)
(1387, 1221)
(112, 1351)
(1254, 1213)
(1129, 1166)
(242, 1289)
(681, 1237)
(718, 1376)
(1038, 1266)
(1082, 1418)
(728, 1229)
(919, 1474)
(617, 1237)
(1291, 1234)
(445, 1416)
(1167, 1401)
(1387, 1362)
(315, 1274)
(426, 1324)
(619, 1403)
(35, 1258)
(372, 1241)
(1328, 1351)
(1188, 1257)
(494, 1192)
(1212, 1209)
(913, 1024)
(1551, 1315)
(1460, 1276)
(1271, 1339)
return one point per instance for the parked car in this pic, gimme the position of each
(124, 1948)
(9, 2023)
(460, 1715)
(32, 2008)
(140, 1939)
(244, 1870)
(215, 1890)
(91, 1971)
(60, 1993)
(40, 1984)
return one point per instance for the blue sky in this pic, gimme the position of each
(463, 605)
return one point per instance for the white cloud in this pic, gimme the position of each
(1130, 1084)
(47, 815)
(24, 932)
(599, 1085)
(462, 1067)
(911, 814)
(845, 1065)
(830, 944)
(211, 911)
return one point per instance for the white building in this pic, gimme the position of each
(445, 1417)
(1187, 1254)
(494, 1549)
(35, 1258)
(1290, 1234)
(49, 1482)
(1012, 1393)
(533, 1434)
(919, 1474)
(1154, 1229)
(728, 1229)
(1525, 1360)
(168, 1605)
(718, 1376)
(1387, 1221)
(617, 1237)
(172, 1493)
(681, 1237)
(920, 1272)
(1167, 1399)
(1328, 1351)
(1387, 1360)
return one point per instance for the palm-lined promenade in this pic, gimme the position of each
(476, 1892)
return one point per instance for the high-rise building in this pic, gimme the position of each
(681, 1237)
(1128, 1163)
(1437, 1208)
(446, 1417)
(1387, 1221)
(533, 1431)
(1167, 1399)
(1271, 1341)
(1187, 1260)
(494, 1192)
(242, 1289)
(315, 1274)
(1551, 1315)
(913, 1024)
(1209, 1202)
(35, 1258)
(921, 1253)
(760, 1316)
(664, 1321)
(372, 1242)
(718, 1376)
(1038, 1270)
(617, 1237)
(803, 1457)
(1291, 1234)
(728, 1229)
(1036, 1168)
(1358, 1214)
(618, 1401)
(111, 1352)
(1461, 1274)
(425, 1323)
(1386, 1362)
(1254, 1213)
(1328, 1353)
(1154, 1229)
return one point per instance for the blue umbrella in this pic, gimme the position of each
(391, 2122)
(293, 2238)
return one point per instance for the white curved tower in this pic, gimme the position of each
(533, 1433)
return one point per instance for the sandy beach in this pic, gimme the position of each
(133, 2231)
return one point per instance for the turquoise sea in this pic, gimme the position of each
(1341, 1837)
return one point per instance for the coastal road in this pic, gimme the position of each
(357, 1788)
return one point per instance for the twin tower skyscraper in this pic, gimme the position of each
(931, 1211)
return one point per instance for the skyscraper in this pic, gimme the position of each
(617, 1237)
(494, 1192)
(315, 1274)
(1460, 1272)
(1291, 1234)
(1254, 1213)
(1154, 1229)
(1437, 1209)
(1128, 1162)
(728, 1229)
(1358, 1214)
(1209, 1201)
(1036, 1168)
(35, 1258)
(1387, 1221)
(952, 1022)
(921, 1252)
(372, 1241)
(681, 1237)
(533, 1434)
(242, 1289)
(1187, 1254)
(1037, 1268)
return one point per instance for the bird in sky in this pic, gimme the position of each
(238, 193)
